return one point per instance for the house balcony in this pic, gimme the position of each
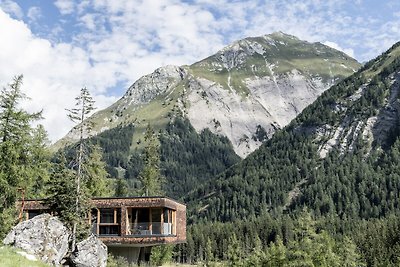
(131, 221)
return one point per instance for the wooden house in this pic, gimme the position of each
(129, 226)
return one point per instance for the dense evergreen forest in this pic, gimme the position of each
(187, 158)
(358, 182)
(303, 198)
(352, 193)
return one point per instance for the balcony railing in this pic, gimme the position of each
(155, 228)
(138, 229)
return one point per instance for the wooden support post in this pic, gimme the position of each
(162, 221)
(124, 223)
(98, 222)
(173, 217)
(150, 221)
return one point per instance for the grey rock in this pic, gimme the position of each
(44, 236)
(255, 82)
(90, 252)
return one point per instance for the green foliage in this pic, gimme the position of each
(121, 188)
(189, 159)
(150, 177)
(235, 253)
(360, 182)
(84, 165)
(97, 182)
(116, 146)
(186, 157)
(297, 240)
(60, 198)
(275, 255)
(23, 155)
(161, 254)
(113, 261)
(37, 170)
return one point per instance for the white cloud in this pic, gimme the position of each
(65, 6)
(34, 13)
(53, 74)
(115, 42)
(11, 7)
(348, 51)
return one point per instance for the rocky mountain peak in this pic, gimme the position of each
(154, 84)
(255, 85)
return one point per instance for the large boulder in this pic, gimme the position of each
(90, 252)
(44, 236)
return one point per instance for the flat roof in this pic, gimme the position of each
(130, 197)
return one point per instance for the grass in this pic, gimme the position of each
(294, 54)
(10, 258)
(383, 62)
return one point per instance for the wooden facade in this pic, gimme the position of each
(130, 221)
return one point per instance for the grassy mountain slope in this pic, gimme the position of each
(273, 54)
(261, 82)
(339, 156)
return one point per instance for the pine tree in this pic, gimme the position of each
(96, 181)
(38, 166)
(121, 188)
(59, 188)
(276, 254)
(150, 177)
(234, 252)
(83, 107)
(348, 253)
(209, 256)
(18, 148)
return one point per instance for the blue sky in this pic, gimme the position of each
(105, 45)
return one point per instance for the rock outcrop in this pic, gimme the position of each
(44, 236)
(90, 252)
(259, 82)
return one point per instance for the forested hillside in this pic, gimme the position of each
(324, 191)
(188, 159)
(338, 157)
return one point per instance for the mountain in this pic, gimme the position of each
(339, 157)
(245, 92)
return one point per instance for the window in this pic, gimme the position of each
(107, 216)
(106, 221)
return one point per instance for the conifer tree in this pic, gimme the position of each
(234, 251)
(59, 191)
(121, 188)
(209, 256)
(18, 148)
(83, 107)
(150, 177)
(84, 170)
(96, 180)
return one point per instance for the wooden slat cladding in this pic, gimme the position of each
(120, 207)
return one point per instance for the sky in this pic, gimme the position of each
(105, 45)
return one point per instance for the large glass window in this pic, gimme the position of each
(156, 221)
(150, 221)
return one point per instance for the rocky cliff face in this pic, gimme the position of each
(373, 130)
(255, 85)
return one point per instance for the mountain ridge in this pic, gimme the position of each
(339, 156)
(230, 90)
